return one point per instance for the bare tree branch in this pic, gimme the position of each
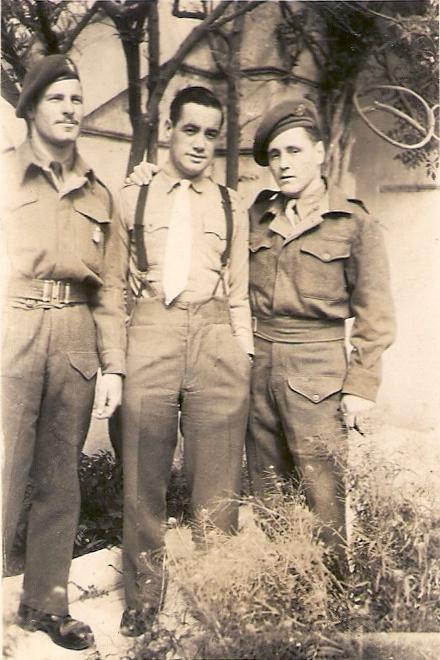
(49, 35)
(68, 43)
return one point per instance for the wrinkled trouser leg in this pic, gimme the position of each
(179, 359)
(48, 380)
(295, 424)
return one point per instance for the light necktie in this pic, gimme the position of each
(290, 212)
(177, 259)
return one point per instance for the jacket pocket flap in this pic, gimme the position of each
(326, 250)
(19, 198)
(315, 388)
(258, 241)
(86, 363)
(92, 208)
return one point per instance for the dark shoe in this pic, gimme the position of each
(136, 622)
(63, 630)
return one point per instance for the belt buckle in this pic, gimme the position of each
(47, 291)
(254, 324)
(56, 286)
(66, 297)
(55, 291)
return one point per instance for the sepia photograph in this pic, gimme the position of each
(220, 320)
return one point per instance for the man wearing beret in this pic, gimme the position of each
(316, 259)
(58, 329)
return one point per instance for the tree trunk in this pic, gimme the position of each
(233, 102)
(132, 58)
(167, 70)
(153, 75)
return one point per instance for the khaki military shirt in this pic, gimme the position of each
(208, 245)
(65, 232)
(331, 266)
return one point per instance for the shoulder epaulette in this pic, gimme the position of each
(109, 195)
(264, 196)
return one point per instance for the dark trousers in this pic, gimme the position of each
(48, 382)
(183, 358)
(295, 427)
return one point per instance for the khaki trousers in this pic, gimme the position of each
(295, 427)
(49, 366)
(183, 358)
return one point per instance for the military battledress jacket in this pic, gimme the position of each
(66, 235)
(330, 267)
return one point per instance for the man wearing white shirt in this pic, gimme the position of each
(189, 345)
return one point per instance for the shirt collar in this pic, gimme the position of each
(198, 183)
(332, 201)
(27, 160)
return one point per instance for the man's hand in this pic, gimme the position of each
(108, 396)
(143, 173)
(353, 409)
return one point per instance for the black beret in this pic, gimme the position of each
(290, 113)
(42, 74)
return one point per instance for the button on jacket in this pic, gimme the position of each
(330, 267)
(209, 243)
(57, 232)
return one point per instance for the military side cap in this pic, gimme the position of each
(290, 113)
(41, 75)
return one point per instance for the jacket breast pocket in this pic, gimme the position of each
(322, 268)
(262, 263)
(91, 227)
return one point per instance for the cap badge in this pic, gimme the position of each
(300, 110)
(70, 65)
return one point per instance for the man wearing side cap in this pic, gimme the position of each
(59, 239)
(316, 259)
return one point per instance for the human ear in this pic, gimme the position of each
(320, 152)
(168, 127)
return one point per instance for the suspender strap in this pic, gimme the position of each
(226, 200)
(139, 238)
(142, 261)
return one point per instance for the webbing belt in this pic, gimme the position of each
(48, 291)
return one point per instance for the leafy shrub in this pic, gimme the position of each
(100, 523)
(178, 495)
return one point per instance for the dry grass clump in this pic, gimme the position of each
(260, 597)
(395, 550)
(267, 593)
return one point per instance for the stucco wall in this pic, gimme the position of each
(410, 393)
